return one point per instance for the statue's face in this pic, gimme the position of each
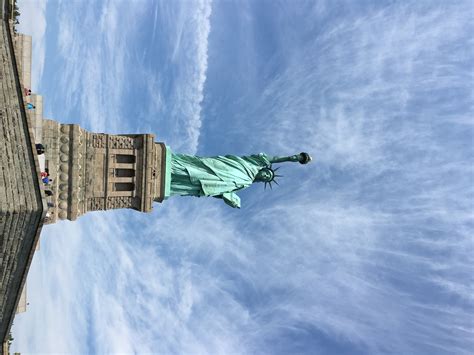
(264, 175)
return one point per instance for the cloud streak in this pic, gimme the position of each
(172, 71)
(189, 52)
(95, 73)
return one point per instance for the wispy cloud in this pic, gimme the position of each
(60, 310)
(176, 82)
(200, 24)
(94, 77)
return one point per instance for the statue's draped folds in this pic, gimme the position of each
(218, 176)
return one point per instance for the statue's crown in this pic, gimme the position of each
(274, 175)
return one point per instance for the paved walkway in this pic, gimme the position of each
(21, 203)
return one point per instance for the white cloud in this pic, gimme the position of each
(190, 49)
(94, 77)
(54, 314)
(173, 73)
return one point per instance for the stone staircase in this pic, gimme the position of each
(21, 204)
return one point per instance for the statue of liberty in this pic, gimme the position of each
(222, 176)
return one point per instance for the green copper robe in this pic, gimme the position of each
(218, 176)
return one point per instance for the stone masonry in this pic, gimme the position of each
(21, 203)
(97, 171)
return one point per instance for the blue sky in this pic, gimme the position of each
(368, 250)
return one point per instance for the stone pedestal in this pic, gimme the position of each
(97, 171)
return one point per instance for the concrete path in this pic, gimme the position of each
(21, 202)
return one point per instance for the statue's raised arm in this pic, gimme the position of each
(221, 176)
(302, 158)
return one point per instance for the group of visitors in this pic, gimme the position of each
(46, 181)
(45, 177)
(29, 105)
(44, 174)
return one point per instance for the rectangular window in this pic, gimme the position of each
(124, 172)
(124, 186)
(125, 159)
